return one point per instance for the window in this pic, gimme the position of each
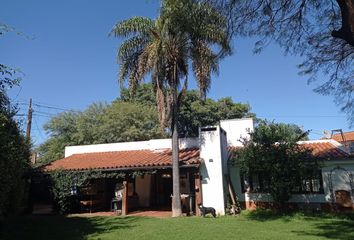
(351, 147)
(255, 183)
(312, 185)
(261, 183)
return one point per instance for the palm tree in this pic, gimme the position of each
(185, 32)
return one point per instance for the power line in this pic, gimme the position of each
(38, 129)
(49, 106)
(301, 116)
(41, 115)
(45, 113)
(21, 114)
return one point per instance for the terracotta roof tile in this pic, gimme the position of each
(325, 150)
(148, 158)
(123, 159)
(319, 149)
(349, 136)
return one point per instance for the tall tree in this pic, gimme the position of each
(132, 118)
(185, 31)
(9, 76)
(322, 32)
(273, 155)
(99, 123)
(14, 149)
(193, 112)
(14, 157)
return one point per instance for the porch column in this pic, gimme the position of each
(125, 199)
(198, 193)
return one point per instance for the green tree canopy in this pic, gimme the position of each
(185, 33)
(132, 117)
(14, 158)
(14, 149)
(100, 123)
(194, 112)
(273, 151)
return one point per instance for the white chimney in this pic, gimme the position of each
(213, 151)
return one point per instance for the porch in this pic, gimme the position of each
(144, 194)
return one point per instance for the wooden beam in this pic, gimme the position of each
(125, 199)
(198, 193)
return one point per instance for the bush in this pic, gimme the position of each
(14, 156)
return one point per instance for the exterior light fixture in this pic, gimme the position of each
(166, 175)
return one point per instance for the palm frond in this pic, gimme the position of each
(130, 47)
(204, 63)
(133, 26)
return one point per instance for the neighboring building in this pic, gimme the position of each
(346, 138)
(205, 172)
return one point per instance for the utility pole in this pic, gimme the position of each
(29, 120)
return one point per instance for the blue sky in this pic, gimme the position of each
(69, 62)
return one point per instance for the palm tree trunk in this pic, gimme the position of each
(176, 198)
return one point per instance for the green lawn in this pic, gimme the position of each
(258, 225)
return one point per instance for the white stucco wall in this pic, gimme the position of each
(340, 178)
(340, 181)
(237, 129)
(211, 169)
(154, 145)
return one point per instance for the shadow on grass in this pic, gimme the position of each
(63, 228)
(332, 229)
(326, 225)
(268, 215)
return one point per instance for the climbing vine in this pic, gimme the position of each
(65, 184)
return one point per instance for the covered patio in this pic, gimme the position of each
(146, 188)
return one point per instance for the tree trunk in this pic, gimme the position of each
(346, 32)
(176, 198)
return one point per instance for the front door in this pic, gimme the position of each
(161, 190)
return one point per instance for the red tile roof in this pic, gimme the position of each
(148, 158)
(325, 149)
(348, 136)
(319, 149)
(123, 160)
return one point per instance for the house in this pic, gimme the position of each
(206, 175)
(346, 138)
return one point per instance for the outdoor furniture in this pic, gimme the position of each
(116, 205)
(187, 203)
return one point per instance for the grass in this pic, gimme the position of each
(249, 225)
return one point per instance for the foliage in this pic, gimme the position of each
(62, 183)
(273, 150)
(14, 148)
(195, 113)
(185, 32)
(133, 122)
(100, 123)
(9, 76)
(132, 117)
(322, 32)
(14, 156)
(143, 94)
